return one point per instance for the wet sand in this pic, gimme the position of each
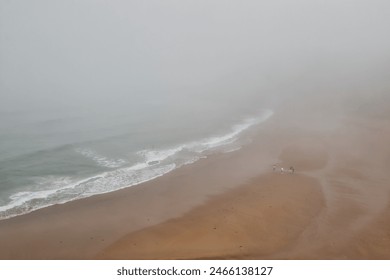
(233, 206)
(252, 221)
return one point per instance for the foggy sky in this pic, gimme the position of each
(64, 52)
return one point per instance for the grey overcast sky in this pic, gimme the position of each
(76, 49)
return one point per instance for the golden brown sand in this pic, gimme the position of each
(233, 206)
(252, 221)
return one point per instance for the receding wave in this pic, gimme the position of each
(101, 160)
(152, 163)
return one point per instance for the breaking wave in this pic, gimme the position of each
(152, 163)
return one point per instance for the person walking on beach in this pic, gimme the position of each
(274, 167)
(292, 170)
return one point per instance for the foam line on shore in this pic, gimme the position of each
(152, 164)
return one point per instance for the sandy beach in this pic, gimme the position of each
(168, 130)
(233, 205)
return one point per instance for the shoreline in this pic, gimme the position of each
(140, 170)
(334, 207)
(98, 221)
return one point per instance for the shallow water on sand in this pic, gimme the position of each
(52, 157)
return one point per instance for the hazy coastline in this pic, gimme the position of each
(149, 129)
(232, 205)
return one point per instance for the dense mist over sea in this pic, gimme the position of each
(99, 95)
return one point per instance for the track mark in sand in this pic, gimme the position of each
(352, 200)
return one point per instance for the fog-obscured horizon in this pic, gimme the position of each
(100, 95)
(109, 54)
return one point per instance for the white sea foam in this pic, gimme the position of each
(159, 155)
(21, 197)
(25, 202)
(154, 163)
(206, 143)
(101, 160)
(125, 177)
(56, 185)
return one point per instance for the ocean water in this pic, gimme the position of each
(55, 156)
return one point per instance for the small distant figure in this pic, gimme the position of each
(292, 170)
(281, 170)
(274, 167)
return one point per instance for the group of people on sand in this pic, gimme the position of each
(283, 169)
